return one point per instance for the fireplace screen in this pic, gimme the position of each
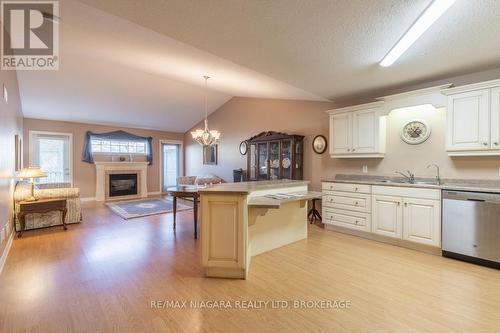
(122, 184)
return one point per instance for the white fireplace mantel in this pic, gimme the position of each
(103, 169)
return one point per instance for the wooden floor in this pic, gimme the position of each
(101, 276)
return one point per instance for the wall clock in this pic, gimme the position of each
(243, 147)
(319, 144)
(415, 132)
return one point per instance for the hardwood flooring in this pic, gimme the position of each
(103, 274)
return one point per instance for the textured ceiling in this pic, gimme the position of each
(115, 72)
(330, 48)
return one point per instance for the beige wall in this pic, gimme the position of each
(241, 118)
(10, 125)
(84, 173)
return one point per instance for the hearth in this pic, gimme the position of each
(121, 184)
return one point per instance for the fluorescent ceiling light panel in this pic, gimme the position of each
(429, 16)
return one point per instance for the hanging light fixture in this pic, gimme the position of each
(206, 137)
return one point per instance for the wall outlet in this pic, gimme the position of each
(365, 169)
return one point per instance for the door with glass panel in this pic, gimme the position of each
(52, 153)
(171, 164)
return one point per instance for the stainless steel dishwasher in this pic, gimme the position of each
(471, 227)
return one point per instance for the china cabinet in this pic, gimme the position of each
(273, 155)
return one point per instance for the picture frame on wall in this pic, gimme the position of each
(18, 152)
(210, 155)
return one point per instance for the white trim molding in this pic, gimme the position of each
(3, 258)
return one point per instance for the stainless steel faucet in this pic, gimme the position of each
(438, 178)
(410, 177)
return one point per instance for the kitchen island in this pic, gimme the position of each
(241, 220)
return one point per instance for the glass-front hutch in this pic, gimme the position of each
(273, 155)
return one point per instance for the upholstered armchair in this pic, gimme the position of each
(34, 221)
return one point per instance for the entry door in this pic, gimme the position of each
(52, 153)
(171, 164)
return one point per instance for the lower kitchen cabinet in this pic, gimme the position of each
(405, 213)
(387, 217)
(422, 221)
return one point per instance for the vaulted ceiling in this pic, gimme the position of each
(119, 57)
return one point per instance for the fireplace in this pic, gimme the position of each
(121, 184)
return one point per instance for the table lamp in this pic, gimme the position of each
(30, 173)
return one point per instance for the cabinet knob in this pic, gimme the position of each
(356, 203)
(399, 203)
(485, 143)
(348, 149)
(353, 149)
(495, 143)
(356, 221)
(331, 200)
(406, 204)
(355, 189)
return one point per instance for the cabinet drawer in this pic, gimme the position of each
(347, 219)
(409, 192)
(349, 201)
(344, 187)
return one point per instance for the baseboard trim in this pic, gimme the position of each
(154, 193)
(87, 199)
(6, 251)
(388, 240)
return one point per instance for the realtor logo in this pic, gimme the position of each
(30, 35)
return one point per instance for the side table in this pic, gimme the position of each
(40, 207)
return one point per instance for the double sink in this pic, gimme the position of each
(402, 181)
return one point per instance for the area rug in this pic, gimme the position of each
(138, 208)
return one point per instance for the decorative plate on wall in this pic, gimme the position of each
(415, 132)
(319, 144)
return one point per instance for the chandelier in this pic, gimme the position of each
(206, 137)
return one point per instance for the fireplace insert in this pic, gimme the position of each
(122, 184)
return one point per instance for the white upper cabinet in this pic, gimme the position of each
(340, 133)
(473, 119)
(357, 131)
(469, 121)
(495, 118)
(365, 131)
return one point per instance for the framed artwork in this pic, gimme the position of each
(210, 155)
(319, 144)
(19, 152)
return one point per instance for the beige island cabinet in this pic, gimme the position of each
(241, 220)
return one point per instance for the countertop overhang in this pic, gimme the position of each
(248, 187)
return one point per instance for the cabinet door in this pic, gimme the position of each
(421, 221)
(364, 132)
(263, 160)
(340, 133)
(387, 216)
(495, 118)
(468, 121)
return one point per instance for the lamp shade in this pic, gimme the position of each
(31, 172)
